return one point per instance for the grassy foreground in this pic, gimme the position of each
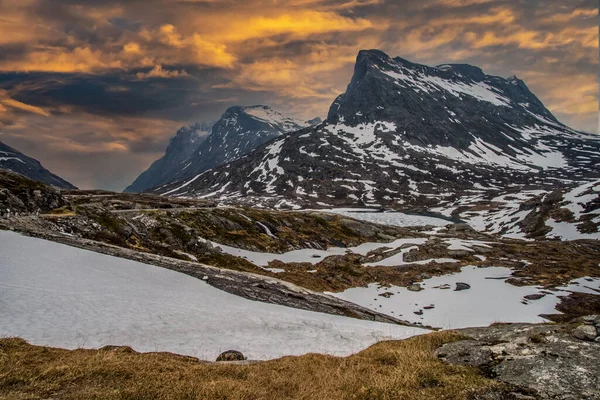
(388, 370)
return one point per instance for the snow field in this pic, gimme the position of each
(56, 295)
(490, 299)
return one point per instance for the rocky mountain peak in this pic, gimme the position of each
(188, 136)
(402, 92)
(260, 116)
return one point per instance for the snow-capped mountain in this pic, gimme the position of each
(239, 130)
(14, 160)
(409, 134)
(180, 148)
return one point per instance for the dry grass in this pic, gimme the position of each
(389, 370)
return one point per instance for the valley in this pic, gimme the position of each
(435, 209)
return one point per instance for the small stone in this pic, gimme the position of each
(205, 278)
(231, 355)
(536, 296)
(420, 312)
(415, 287)
(387, 295)
(429, 307)
(316, 256)
(462, 286)
(444, 286)
(585, 332)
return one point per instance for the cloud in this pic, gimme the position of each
(159, 72)
(105, 82)
(6, 101)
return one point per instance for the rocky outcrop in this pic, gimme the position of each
(546, 361)
(19, 195)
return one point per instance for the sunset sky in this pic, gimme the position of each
(94, 89)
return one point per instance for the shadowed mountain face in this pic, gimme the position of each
(15, 161)
(408, 134)
(164, 170)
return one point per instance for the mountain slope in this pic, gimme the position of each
(181, 146)
(15, 161)
(406, 134)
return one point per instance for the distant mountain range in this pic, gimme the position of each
(15, 161)
(239, 131)
(405, 134)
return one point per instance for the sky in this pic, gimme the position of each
(94, 89)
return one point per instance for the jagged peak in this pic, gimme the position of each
(261, 114)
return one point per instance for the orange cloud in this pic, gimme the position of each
(159, 72)
(81, 59)
(14, 104)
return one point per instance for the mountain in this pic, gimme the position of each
(180, 148)
(238, 131)
(410, 135)
(15, 161)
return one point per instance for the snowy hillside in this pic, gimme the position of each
(61, 296)
(569, 213)
(406, 134)
(15, 161)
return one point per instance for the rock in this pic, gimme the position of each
(430, 307)
(120, 349)
(415, 287)
(461, 286)
(420, 312)
(585, 332)
(592, 320)
(387, 295)
(536, 296)
(316, 256)
(465, 352)
(231, 355)
(444, 286)
(558, 367)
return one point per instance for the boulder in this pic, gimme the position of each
(231, 355)
(415, 287)
(585, 332)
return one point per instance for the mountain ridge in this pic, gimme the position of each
(15, 161)
(405, 133)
